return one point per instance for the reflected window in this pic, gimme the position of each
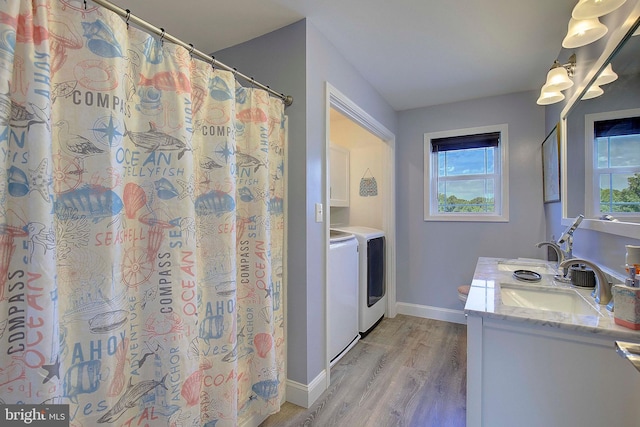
(616, 166)
(464, 178)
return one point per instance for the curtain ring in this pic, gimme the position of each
(213, 63)
(127, 18)
(85, 4)
(191, 50)
(162, 36)
(235, 73)
(253, 83)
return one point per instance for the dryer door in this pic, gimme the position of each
(375, 270)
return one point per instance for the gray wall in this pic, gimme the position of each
(434, 258)
(298, 60)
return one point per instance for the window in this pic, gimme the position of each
(464, 179)
(613, 153)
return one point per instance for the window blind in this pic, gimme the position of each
(481, 140)
(617, 127)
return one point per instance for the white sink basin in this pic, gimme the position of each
(546, 298)
(517, 264)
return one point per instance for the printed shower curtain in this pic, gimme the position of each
(141, 226)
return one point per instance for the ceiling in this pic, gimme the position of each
(415, 53)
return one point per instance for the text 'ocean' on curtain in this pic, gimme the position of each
(141, 226)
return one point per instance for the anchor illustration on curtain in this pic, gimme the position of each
(141, 226)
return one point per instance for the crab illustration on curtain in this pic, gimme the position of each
(141, 226)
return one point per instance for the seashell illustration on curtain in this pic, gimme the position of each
(141, 226)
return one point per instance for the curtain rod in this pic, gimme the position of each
(131, 18)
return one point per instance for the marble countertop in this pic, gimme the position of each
(629, 351)
(485, 300)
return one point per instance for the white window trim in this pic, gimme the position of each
(591, 204)
(502, 198)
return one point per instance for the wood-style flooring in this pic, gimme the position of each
(408, 372)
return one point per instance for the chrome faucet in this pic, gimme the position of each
(565, 239)
(602, 291)
(559, 252)
(561, 255)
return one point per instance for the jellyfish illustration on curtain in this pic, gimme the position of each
(141, 226)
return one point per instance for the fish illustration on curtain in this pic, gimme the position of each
(141, 226)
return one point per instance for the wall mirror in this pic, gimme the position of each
(582, 188)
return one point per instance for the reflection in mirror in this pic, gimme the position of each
(603, 145)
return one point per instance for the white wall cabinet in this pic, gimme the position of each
(339, 176)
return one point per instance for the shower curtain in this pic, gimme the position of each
(141, 226)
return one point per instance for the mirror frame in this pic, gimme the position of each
(614, 43)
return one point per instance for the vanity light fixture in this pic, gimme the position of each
(547, 98)
(558, 79)
(587, 9)
(582, 32)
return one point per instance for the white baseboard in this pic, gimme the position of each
(304, 395)
(435, 313)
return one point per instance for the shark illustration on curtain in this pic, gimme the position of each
(141, 226)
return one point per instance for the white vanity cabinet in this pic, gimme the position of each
(339, 176)
(532, 367)
(531, 375)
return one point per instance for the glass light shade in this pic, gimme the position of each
(547, 98)
(583, 32)
(587, 9)
(593, 92)
(606, 76)
(557, 80)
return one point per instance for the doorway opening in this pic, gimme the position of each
(371, 185)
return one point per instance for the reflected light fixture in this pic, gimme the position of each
(606, 76)
(583, 32)
(587, 9)
(594, 91)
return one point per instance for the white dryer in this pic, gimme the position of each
(372, 299)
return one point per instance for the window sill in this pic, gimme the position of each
(467, 218)
(618, 228)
